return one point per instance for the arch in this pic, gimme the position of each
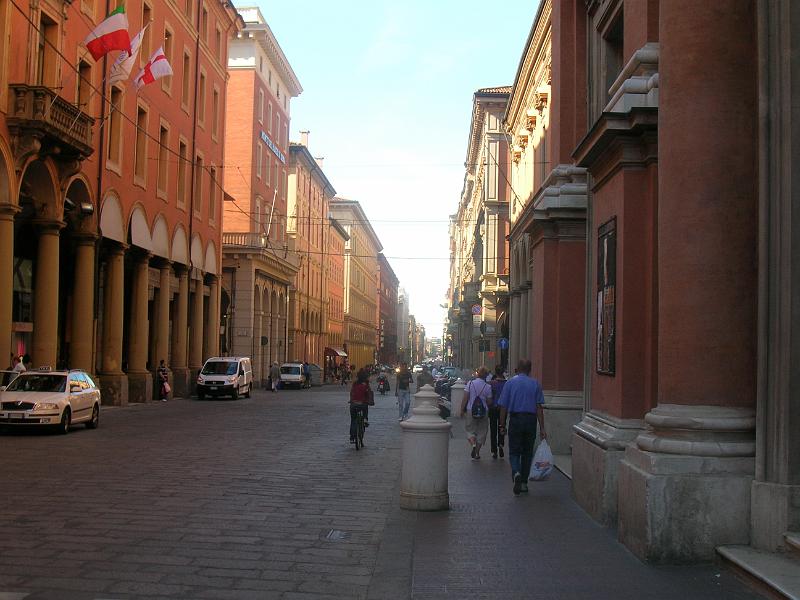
(303, 320)
(139, 230)
(79, 194)
(160, 238)
(39, 187)
(8, 176)
(276, 308)
(210, 263)
(180, 246)
(111, 224)
(197, 252)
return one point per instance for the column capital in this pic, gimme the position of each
(161, 263)
(85, 238)
(8, 211)
(48, 225)
(116, 248)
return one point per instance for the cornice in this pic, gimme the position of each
(534, 49)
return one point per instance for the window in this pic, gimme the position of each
(218, 43)
(268, 169)
(198, 184)
(259, 154)
(140, 150)
(260, 64)
(187, 66)
(166, 82)
(215, 113)
(115, 126)
(606, 297)
(182, 162)
(269, 117)
(278, 127)
(189, 9)
(84, 85)
(212, 195)
(204, 25)
(146, 49)
(201, 99)
(46, 51)
(261, 106)
(163, 159)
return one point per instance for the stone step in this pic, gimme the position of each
(779, 573)
(793, 542)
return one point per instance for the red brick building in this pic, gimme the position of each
(387, 312)
(259, 261)
(111, 201)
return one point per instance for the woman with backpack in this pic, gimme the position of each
(475, 407)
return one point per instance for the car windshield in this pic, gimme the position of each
(290, 370)
(38, 383)
(451, 371)
(220, 367)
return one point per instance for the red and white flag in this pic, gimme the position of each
(111, 34)
(122, 67)
(157, 67)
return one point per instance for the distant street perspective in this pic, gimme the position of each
(265, 498)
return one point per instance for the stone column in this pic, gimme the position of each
(7, 212)
(258, 356)
(81, 344)
(196, 340)
(45, 301)
(212, 326)
(513, 355)
(524, 322)
(140, 382)
(180, 330)
(113, 382)
(687, 479)
(161, 328)
(775, 494)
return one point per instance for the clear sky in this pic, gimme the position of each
(387, 96)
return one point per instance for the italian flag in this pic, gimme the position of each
(157, 67)
(111, 34)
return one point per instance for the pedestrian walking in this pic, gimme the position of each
(424, 378)
(475, 407)
(275, 374)
(496, 438)
(521, 402)
(163, 379)
(403, 391)
(306, 375)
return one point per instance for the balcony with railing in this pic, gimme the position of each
(39, 112)
(248, 241)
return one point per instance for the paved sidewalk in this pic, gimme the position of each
(493, 545)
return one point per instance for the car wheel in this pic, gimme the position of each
(66, 421)
(201, 396)
(247, 393)
(235, 393)
(95, 420)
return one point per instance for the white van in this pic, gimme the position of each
(292, 374)
(225, 376)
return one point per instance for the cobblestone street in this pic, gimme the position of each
(264, 498)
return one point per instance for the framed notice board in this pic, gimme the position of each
(606, 296)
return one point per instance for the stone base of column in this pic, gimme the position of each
(598, 445)
(140, 387)
(685, 483)
(562, 410)
(774, 511)
(114, 389)
(181, 386)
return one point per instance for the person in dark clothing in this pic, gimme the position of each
(497, 438)
(163, 381)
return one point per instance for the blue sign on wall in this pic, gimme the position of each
(502, 343)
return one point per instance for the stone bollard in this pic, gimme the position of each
(456, 394)
(426, 439)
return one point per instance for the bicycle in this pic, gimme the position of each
(360, 428)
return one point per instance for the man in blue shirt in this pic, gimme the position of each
(520, 401)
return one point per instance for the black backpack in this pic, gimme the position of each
(478, 407)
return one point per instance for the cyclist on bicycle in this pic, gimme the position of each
(360, 400)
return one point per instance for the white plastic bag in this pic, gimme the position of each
(542, 462)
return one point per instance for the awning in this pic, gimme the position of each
(335, 352)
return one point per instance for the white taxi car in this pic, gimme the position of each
(56, 399)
